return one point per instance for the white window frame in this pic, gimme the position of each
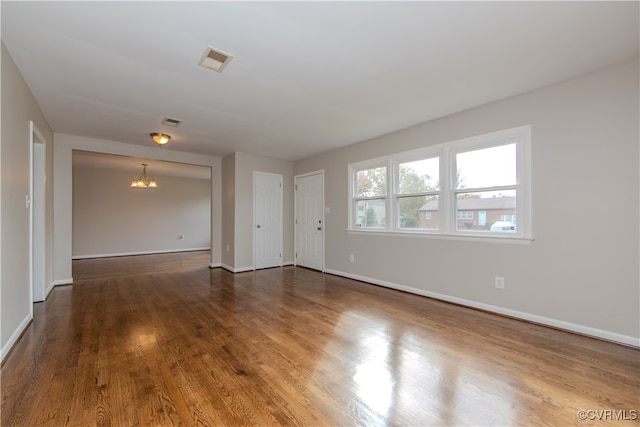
(396, 161)
(354, 198)
(447, 192)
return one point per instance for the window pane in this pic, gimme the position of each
(419, 176)
(371, 182)
(371, 213)
(486, 211)
(488, 167)
(419, 212)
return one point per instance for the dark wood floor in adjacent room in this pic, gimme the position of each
(163, 340)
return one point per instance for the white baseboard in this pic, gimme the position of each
(166, 251)
(14, 337)
(62, 282)
(215, 265)
(560, 324)
(242, 269)
(48, 290)
(236, 269)
(52, 285)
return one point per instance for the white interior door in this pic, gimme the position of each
(267, 202)
(309, 193)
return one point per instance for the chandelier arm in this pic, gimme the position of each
(143, 181)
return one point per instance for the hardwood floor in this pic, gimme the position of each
(164, 340)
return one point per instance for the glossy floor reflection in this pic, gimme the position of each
(399, 371)
(164, 340)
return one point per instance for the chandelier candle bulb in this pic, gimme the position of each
(142, 181)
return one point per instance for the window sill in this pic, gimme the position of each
(514, 240)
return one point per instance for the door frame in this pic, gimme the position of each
(253, 202)
(36, 201)
(295, 216)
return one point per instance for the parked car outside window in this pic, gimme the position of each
(503, 227)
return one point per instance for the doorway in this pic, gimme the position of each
(267, 220)
(309, 220)
(112, 219)
(36, 204)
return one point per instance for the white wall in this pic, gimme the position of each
(64, 146)
(110, 218)
(582, 271)
(18, 109)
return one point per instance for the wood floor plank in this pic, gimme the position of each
(163, 340)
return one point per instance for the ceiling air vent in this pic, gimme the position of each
(215, 59)
(171, 122)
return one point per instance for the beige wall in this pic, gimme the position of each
(581, 272)
(18, 109)
(238, 172)
(109, 218)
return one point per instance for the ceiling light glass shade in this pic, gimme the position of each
(142, 181)
(160, 138)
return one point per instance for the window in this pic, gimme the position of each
(485, 179)
(508, 218)
(418, 184)
(370, 188)
(464, 214)
(477, 186)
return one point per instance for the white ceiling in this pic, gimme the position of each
(306, 77)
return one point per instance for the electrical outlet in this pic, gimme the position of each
(499, 282)
(352, 258)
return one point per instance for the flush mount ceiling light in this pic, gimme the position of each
(160, 138)
(214, 59)
(142, 181)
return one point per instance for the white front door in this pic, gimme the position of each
(267, 202)
(309, 192)
(482, 218)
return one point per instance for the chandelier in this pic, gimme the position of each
(143, 181)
